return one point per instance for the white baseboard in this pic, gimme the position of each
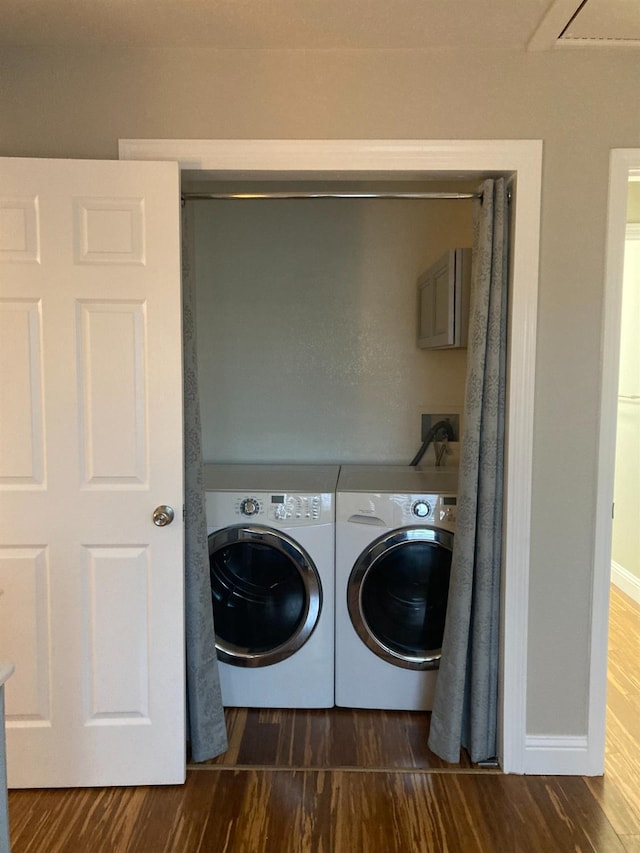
(626, 581)
(562, 755)
(558, 755)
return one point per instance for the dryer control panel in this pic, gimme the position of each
(398, 510)
(435, 507)
(432, 509)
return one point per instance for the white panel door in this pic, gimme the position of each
(90, 444)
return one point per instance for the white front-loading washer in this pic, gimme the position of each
(394, 538)
(271, 531)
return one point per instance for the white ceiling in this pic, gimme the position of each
(317, 24)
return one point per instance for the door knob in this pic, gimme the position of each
(163, 515)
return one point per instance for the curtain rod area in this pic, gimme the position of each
(197, 196)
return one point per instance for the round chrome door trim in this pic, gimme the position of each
(382, 546)
(295, 553)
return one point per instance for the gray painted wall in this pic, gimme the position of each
(582, 103)
(307, 328)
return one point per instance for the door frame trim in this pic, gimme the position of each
(624, 163)
(520, 160)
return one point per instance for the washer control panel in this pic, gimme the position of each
(294, 508)
(285, 509)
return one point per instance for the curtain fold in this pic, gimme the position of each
(465, 707)
(206, 728)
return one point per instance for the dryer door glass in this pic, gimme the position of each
(398, 594)
(266, 595)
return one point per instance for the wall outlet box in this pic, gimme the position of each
(429, 420)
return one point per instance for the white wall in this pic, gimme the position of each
(626, 530)
(581, 103)
(307, 327)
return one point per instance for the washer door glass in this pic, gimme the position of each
(266, 595)
(397, 596)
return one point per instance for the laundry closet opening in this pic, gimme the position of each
(307, 315)
(307, 322)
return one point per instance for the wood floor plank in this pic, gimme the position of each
(619, 791)
(65, 821)
(309, 741)
(623, 771)
(236, 723)
(619, 811)
(173, 819)
(259, 745)
(286, 811)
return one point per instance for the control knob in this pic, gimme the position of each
(421, 509)
(249, 506)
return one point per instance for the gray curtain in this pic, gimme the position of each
(205, 716)
(466, 700)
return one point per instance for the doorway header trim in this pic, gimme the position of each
(341, 157)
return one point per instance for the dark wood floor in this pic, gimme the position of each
(341, 781)
(334, 738)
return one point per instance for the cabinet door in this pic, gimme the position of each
(437, 292)
(444, 296)
(90, 444)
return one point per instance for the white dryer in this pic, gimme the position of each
(271, 531)
(394, 537)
